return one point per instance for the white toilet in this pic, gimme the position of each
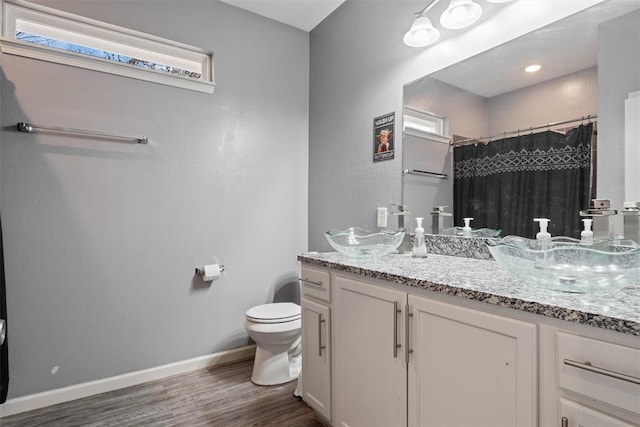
(276, 329)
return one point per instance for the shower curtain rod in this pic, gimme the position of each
(467, 141)
(28, 127)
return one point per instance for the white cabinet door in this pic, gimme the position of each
(369, 367)
(470, 368)
(316, 356)
(575, 415)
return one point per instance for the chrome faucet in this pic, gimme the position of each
(406, 246)
(631, 215)
(602, 215)
(437, 219)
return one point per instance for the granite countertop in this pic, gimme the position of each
(486, 281)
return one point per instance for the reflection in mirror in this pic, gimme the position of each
(523, 144)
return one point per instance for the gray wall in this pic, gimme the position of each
(355, 53)
(618, 62)
(102, 238)
(564, 98)
(359, 65)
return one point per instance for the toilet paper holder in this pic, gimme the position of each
(200, 270)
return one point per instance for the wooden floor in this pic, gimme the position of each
(222, 396)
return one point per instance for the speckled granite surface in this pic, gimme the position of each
(485, 281)
(468, 247)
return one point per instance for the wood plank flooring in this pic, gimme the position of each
(222, 396)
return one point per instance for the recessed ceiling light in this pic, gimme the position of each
(533, 68)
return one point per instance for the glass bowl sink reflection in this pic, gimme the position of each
(358, 243)
(568, 265)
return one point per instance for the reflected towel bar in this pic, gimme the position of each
(419, 172)
(28, 127)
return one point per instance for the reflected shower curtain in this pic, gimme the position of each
(506, 183)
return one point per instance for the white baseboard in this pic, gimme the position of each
(78, 391)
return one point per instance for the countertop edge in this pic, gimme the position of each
(543, 309)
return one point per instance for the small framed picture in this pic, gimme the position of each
(383, 129)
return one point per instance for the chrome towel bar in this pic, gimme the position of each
(420, 172)
(28, 127)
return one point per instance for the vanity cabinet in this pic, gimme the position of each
(403, 359)
(454, 343)
(316, 339)
(470, 368)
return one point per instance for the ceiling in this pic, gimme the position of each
(564, 47)
(302, 14)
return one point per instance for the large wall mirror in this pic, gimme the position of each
(488, 120)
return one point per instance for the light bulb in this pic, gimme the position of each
(422, 33)
(460, 14)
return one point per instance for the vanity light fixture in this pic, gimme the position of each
(533, 68)
(422, 33)
(460, 14)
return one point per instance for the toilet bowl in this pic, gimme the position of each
(276, 330)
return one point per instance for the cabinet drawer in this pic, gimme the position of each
(603, 371)
(314, 283)
(575, 415)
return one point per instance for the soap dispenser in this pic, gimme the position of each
(586, 236)
(543, 236)
(466, 230)
(419, 247)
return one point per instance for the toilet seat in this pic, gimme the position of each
(280, 312)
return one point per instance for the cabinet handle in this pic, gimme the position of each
(564, 422)
(396, 311)
(320, 346)
(407, 350)
(588, 367)
(310, 282)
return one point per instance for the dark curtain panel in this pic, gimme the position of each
(4, 349)
(506, 183)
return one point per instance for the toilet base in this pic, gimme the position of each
(273, 369)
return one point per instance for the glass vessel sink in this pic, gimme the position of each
(358, 243)
(568, 265)
(475, 232)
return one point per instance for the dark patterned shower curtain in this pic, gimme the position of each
(506, 183)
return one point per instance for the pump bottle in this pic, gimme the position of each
(419, 247)
(543, 236)
(586, 236)
(466, 230)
